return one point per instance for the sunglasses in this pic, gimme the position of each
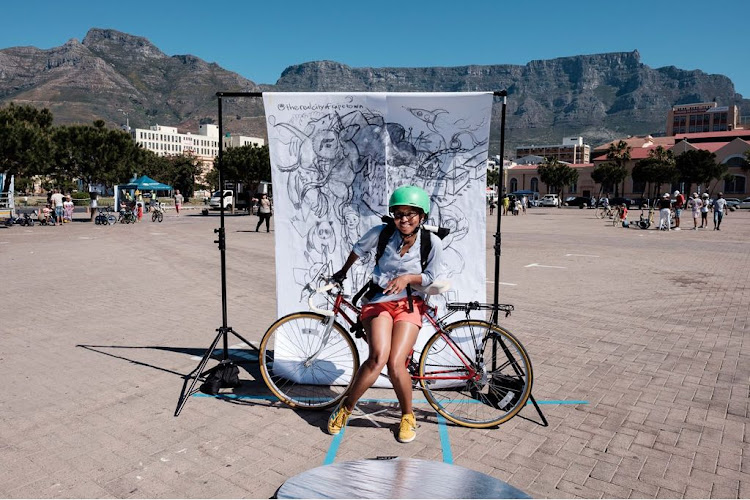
(408, 215)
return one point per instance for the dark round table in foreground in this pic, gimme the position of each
(395, 478)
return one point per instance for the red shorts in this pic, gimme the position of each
(396, 309)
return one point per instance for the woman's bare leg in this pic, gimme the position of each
(402, 342)
(379, 331)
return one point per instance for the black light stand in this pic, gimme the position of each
(498, 236)
(223, 331)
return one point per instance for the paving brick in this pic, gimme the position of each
(664, 387)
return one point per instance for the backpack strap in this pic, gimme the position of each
(383, 238)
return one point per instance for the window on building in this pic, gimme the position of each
(736, 185)
(513, 184)
(573, 188)
(534, 186)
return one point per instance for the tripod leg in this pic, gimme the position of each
(196, 374)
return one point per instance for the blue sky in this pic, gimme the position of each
(260, 39)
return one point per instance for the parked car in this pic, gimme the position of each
(733, 202)
(577, 201)
(620, 200)
(744, 203)
(549, 200)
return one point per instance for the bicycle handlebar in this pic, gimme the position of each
(323, 289)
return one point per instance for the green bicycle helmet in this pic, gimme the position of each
(410, 196)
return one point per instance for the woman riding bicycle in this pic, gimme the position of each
(392, 317)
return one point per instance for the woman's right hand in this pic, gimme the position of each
(339, 276)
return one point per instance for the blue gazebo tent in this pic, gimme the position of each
(146, 183)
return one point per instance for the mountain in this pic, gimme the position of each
(599, 97)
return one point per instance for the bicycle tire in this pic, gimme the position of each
(111, 219)
(599, 213)
(153, 217)
(496, 395)
(326, 380)
(160, 217)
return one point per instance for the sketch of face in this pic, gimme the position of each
(326, 144)
(351, 219)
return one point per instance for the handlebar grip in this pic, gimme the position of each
(324, 312)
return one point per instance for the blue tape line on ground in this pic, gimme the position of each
(416, 401)
(445, 442)
(335, 443)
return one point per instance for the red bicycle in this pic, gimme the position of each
(472, 372)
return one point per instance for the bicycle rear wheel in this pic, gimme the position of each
(599, 212)
(160, 217)
(301, 367)
(475, 387)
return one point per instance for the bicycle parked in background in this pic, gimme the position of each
(157, 212)
(105, 217)
(472, 372)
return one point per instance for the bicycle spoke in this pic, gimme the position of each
(303, 367)
(491, 389)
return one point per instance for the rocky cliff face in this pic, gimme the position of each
(599, 97)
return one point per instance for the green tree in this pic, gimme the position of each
(248, 164)
(699, 167)
(24, 141)
(608, 175)
(93, 154)
(556, 176)
(618, 153)
(657, 169)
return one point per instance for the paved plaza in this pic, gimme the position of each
(637, 339)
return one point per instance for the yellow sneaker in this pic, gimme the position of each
(338, 419)
(407, 431)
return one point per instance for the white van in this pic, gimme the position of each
(549, 200)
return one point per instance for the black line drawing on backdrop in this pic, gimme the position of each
(342, 166)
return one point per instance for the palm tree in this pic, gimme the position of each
(618, 153)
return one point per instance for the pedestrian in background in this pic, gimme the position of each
(506, 204)
(68, 208)
(695, 205)
(265, 210)
(720, 208)
(178, 201)
(665, 204)
(704, 211)
(679, 202)
(57, 203)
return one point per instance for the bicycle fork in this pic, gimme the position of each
(328, 322)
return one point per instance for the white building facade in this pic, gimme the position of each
(168, 141)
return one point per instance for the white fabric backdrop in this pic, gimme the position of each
(335, 159)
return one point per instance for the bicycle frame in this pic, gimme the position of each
(339, 305)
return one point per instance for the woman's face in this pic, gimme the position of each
(407, 218)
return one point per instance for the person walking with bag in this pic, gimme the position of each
(265, 210)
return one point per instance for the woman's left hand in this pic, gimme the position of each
(397, 285)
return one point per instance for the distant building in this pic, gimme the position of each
(166, 141)
(701, 117)
(572, 150)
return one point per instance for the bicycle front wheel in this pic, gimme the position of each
(599, 212)
(480, 386)
(160, 217)
(304, 367)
